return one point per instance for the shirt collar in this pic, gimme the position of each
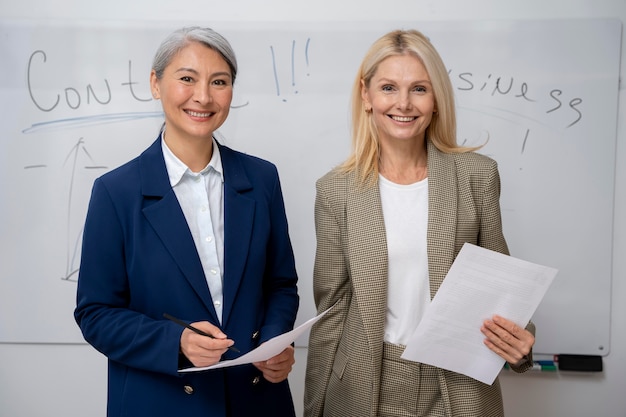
(176, 169)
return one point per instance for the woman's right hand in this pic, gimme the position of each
(202, 350)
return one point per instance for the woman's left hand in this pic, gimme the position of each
(277, 368)
(507, 339)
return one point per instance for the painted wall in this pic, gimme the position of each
(70, 380)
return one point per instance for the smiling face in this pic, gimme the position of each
(401, 97)
(196, 91)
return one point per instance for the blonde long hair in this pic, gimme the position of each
(442, 129)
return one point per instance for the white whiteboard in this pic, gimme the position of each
(75, 102)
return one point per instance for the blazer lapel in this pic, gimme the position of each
(367, 246)
(442, 215)
(367, 242)
(238, 225)
(163, 212)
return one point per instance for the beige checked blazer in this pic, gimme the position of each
(345, 346)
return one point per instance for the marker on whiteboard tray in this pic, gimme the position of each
(543, 366)
(546, 365)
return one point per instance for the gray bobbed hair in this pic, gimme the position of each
(180, 38)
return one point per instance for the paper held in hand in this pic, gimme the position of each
(267, 350)
(480, 284)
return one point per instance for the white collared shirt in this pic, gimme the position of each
(200, 195)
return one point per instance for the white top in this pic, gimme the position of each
(405, 211)
(200, 195)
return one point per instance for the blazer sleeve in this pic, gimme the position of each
(103, 296)
(491, 235)
(331, 286)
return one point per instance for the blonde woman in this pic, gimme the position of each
(389, 222)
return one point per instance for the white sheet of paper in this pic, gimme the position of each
(479, 284)
(267, 350)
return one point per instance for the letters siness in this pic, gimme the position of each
(73, 98)
(551, 102)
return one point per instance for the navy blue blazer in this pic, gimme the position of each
(139, 261)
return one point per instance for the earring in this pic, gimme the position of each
(368, 109)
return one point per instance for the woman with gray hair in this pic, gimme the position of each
(196, 232)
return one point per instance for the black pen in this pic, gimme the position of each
(193, 329)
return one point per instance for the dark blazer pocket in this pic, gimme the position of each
(339, 366)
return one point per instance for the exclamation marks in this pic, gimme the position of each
(294, 68)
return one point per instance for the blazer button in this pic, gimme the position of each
(255, 335)
(256, 380)
(188, 389)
